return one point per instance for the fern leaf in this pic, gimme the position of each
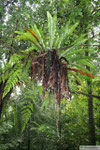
(75, 44)
(51, 28)
(28, 36)
(14, 77)
(67, 30)
(39, 35)
(76, 77)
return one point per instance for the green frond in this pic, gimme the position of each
(85, 62)
(66, 31)
(76, 77)
(78, 66)
(51, 28)
(27, 108)
(76, 58)
(45, 104)
(81, 40)
(28, 37)
(10, 66)
(17, 118)
(4, 74)
(37, 32)
(27, 51)
(71, 51)
(14, 77)
(4, 77)
(56, 41)
(15, 58)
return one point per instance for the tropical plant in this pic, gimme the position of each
(47, 62)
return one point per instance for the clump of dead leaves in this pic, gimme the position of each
(48, 69)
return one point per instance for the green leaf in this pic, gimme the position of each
(71, 51)
(14, 77)
(75, 76)
(37, 32)
(66, 31)
(51, 28)
(28, 37)
(75, 44)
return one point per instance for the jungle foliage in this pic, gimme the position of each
(49, 74)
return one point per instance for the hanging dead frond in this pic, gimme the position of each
(49, 69)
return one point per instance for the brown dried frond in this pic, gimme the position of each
(49, 69)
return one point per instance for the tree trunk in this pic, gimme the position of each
(1, 94)
(2, 100)
(92, 140)
(58, 120)
(58, 125)
(28, 142)
(0, 106)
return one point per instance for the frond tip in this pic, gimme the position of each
(81, 72)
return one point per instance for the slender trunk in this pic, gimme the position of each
(0, 106)
(92, 139)
(28, 142)
(1, 94)
(3, 100)
(58, 120)
(58, 125)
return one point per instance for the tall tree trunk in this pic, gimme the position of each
(1, 94)
(0, 106)
(92, 139)
(58, 125)
(58, 120)
(28, 142)
(2, 100)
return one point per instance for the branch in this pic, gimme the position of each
(88, 95)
